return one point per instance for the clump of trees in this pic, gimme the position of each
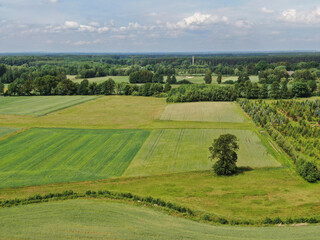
(196, 93)
(223, 150)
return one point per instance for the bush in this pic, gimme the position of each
(308, 171)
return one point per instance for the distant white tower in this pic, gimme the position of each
(192, 60)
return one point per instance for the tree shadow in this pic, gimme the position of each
(242, 170)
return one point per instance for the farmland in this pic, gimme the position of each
(147, 147)
(5, 131)
(42, 156)
(169, 151)
(204, 112)
(99, 219)
(31, 106)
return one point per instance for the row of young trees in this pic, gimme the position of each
(299, 138)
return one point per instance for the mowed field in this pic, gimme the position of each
(98, 219)
(204, 112)
(42, 156)
(39, 105)
(107, 112)
(183, 150)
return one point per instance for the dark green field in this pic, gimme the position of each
(42, 156)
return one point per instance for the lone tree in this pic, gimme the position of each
(224, 150)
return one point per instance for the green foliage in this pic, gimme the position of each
(291, 125)
(208, 77)
(301, 89)
(223, 150)
(195, 93)
(308, 170)
(219, 79)
(141, 76)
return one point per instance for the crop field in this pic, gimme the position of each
(39, 105)
(6, 131)
(204, 112)
(98, 219)
(183, 150)
(42, 156)
(107, 112)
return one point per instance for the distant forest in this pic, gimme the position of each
(280, 75)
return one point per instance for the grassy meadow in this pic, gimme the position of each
(98, 219)
(117, 79)
(204, 112)
(42, 156)
(39, 105)
(184, 150)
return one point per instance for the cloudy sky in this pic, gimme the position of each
(159, 25)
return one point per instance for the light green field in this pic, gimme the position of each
(98, 219)
(169, 151)
(6, 131)
(42, 156)
(251, 195)
(204, 112)
(103, 112)
(117, 79)
(39, 105)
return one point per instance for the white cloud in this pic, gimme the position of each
(71, 25)
(95, 24)
(243, 24)
(307, 17)
(54, 1)
(266, 10)
(197, 20)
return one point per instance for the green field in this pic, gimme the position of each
(97, 219)
(204, 112)
(104, 113)
(169, 151)
(42, 156)
(117, 79)
(6, 131)
(39, 105)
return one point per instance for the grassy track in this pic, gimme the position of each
(204, 112)
(105, 112)
(168, 151)
(42, 156)
(5, 131)
(98, 219)
(39, 105)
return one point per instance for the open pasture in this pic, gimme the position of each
(204, 112)
(183, 150)
(39, 105)
(42, 156)
(98, 219)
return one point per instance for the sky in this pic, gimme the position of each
(159, 25)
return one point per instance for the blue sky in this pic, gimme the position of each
(159, 26)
